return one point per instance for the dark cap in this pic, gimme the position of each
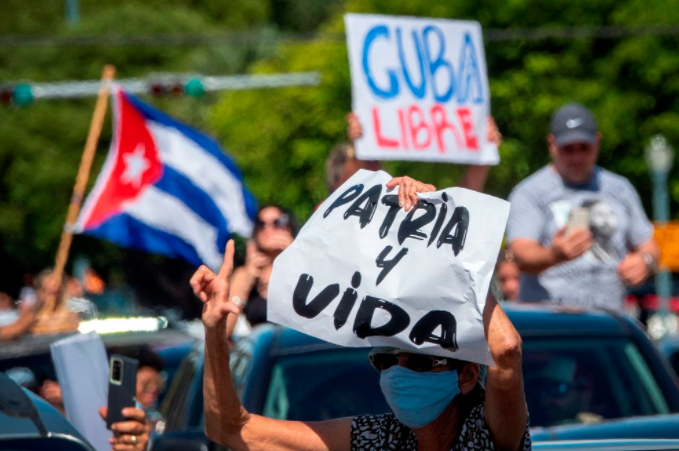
(573, 123)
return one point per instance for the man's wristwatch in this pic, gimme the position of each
(651, 263)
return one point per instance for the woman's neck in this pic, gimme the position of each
(441, 433)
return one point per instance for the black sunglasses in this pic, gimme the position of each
(416, 362)
(283, 222)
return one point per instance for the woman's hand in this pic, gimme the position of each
(354, 129)
(408, 189)
(493, 135)
(131, 434)
(255, 260)
(213, 290)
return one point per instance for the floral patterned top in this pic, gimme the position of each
(385, 432)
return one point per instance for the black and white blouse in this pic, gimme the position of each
(385, 432)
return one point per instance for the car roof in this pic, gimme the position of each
(608, 445)
(54, 420)
(544, 319)
(530, 320)
(654, 426)
(29, 345)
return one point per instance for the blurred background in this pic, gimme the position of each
(617, 57)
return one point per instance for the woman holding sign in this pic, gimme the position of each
(438, 403)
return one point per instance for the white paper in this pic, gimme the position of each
(82, 370)
(333, 250)
(420, 89)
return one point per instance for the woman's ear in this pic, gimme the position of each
(467, 376)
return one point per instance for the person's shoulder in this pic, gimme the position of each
(534, 183)
(373, 422)
(371, 431)
(613, 180)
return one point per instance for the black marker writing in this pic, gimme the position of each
(388, 265)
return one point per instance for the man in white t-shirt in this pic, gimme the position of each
(609, 243)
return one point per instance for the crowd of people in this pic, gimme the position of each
(577, 236)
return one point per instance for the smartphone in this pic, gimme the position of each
(122, 385)
(578, 218)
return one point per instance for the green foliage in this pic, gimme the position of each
(630, 84)
(281, 137)
(41, 144)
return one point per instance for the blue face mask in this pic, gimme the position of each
(416, 398)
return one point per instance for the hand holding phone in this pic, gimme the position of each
(122, 387)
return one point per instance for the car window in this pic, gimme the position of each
(174, 406)
(584, 380)
(240, 363)
(324, 385)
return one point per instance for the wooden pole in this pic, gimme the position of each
(81, 180)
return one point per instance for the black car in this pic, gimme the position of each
(650, 427)
(29, 357)
(578, 367)
(30, 424)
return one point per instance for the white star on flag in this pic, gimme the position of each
(135, 166)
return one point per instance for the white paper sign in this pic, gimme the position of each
(363, 272)
(420, 89)
(82, 370)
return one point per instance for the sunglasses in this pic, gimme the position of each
(416, 362)
(279, 223)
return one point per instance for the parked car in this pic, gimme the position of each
(30, 424)
(578, 367)
(651, 427)
(609, 445)
(669, 347)
(28, 358)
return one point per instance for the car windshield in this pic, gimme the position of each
(585, 380)
(324, 385)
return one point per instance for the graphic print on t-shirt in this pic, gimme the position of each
(602, 223)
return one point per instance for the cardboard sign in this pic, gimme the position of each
(364, 272)
(420, 89)
(666, 234)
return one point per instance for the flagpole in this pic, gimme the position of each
(108, 74)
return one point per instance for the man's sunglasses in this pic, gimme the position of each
(416, 362)
(279, 223)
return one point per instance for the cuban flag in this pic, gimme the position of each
(166, 188)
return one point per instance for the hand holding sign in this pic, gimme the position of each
(213, 290)
(408, 189)
(364, 271)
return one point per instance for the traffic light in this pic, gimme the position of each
(21, 94)
(194, 87)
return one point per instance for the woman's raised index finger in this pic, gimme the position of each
(227, 264)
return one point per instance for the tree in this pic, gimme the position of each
(630, 83)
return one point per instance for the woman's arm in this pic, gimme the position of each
(226, 420)
(505, 410)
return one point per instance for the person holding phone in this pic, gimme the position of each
(577, 231)
(275, 229)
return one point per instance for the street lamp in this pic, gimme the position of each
(659, 157)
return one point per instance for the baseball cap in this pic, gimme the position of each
(573, 123)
